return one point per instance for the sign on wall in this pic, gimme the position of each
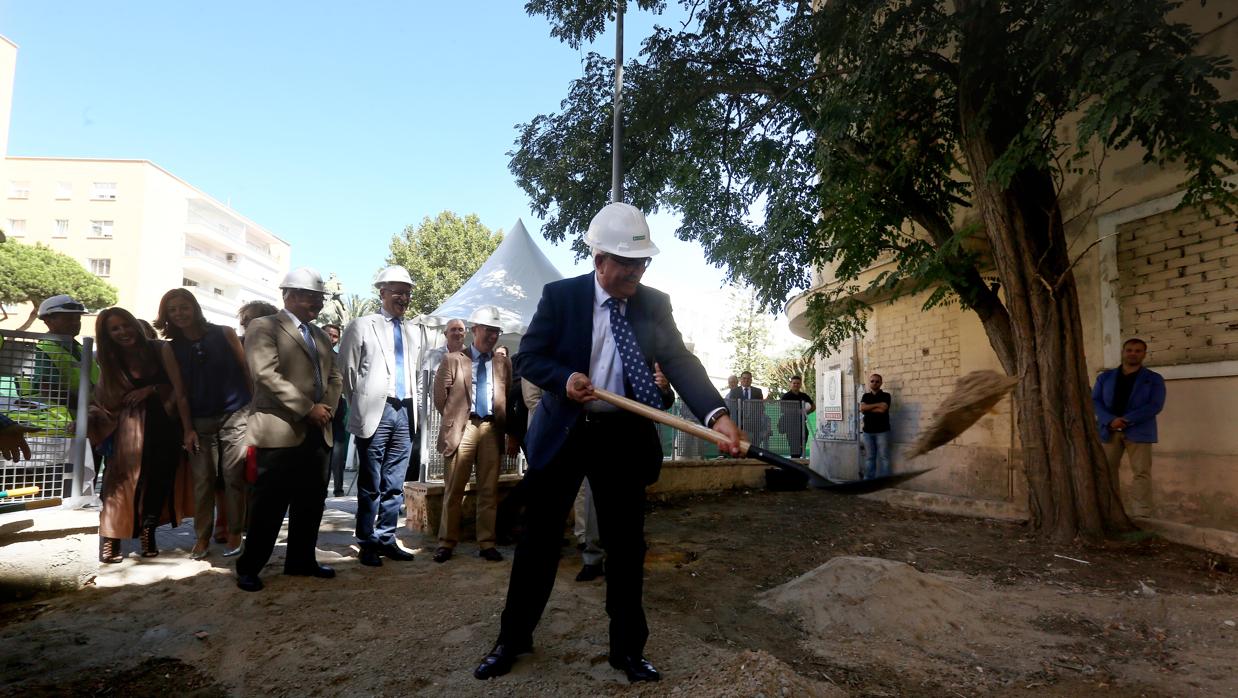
(832, 395)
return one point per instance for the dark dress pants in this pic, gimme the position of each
(615, 476)
(382, 462)
(291, 481)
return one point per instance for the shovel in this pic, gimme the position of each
(749, 450)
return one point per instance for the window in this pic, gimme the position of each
(19, 189)
(188, 282)
(101, 267)
(61, 229)
(17, 227)
(64, 190)
(101, 229)
(104, 191)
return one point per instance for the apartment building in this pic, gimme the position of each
(135, 224)
(144, 230)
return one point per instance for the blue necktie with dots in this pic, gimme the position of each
(635, 372)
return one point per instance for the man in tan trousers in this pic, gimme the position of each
(470, 392)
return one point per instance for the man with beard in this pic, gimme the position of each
(379, 356)
(296, 388)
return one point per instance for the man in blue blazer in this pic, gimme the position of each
(1127, 400)
(604, 329)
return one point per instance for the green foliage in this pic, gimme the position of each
(441, 254)
(843, 129)
(34, 273)
(796, 362)
(748, 335)
(342, 311)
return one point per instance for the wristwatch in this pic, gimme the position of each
(719, 414)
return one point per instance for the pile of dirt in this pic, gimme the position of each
(873, 596)
(747, 674)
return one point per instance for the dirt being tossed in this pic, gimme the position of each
(874, 596)
(974, 395)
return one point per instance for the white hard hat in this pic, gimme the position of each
(305, 279)
(393, 274)
(620, 229)
(487, 315)
(60, 304)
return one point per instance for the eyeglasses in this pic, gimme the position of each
(631, 262)
(399, 294)
(71, 306)
(199, 352)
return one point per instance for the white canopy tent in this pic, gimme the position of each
(510, 280)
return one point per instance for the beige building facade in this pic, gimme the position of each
(1167, 276)
(137, 226)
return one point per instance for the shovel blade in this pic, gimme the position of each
(873, 485)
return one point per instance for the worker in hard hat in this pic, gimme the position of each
(606, 329)
(470, 392)
(296, 388)
(379, 358)
(58, 368)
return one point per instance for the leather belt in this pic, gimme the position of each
(481, 419)
(397, 403)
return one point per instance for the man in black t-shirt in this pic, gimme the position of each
(875, 408)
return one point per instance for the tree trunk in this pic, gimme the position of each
(1071, 490)
(34, 314)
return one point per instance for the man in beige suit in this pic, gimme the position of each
(296, 388)
(470, 391)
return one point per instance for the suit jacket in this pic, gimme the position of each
(451, 397)
(279, 361)
(737, 393)
(1146, 401)
(559, 343)
(367, 364)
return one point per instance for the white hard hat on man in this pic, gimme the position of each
(60, 304)
(394, 274)
(620, 229)
(303, 279)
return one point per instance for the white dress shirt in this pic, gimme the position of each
(411, 377)
(489, 380)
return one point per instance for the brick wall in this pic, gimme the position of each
(1178, 286)
(917, 354)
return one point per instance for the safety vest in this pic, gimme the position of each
(66, 364)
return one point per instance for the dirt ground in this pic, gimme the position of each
(747, 593)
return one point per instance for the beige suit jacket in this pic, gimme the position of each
(279, 361)
(451, 397)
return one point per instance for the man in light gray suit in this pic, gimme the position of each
(380, 355)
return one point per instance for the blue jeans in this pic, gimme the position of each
(876, 448)
(382, 462)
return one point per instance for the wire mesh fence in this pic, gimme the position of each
(433, 463)
(42, 386)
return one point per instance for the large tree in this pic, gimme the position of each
(748, 335)
(441, 254)
(935, 134)
(34, 273)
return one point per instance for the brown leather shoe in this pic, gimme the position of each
(442, 555)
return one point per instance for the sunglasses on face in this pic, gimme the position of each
(71, 306)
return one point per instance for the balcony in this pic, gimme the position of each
(204, 265)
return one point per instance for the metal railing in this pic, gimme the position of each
(36, 390)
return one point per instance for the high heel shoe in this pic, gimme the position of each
(200, 550)
(109, 550)
(149, 548)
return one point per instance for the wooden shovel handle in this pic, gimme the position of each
(698, 430)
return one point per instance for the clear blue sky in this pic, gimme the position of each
(332, 124)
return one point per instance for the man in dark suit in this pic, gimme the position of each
(745, 391)
(603, 329)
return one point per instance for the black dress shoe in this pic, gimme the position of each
(499, 661)
(491, 554)
(248, 582)
(442, 555)
(637, 668)
(395, 552)
(588, 573)
(370, 557)
(320, 571)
